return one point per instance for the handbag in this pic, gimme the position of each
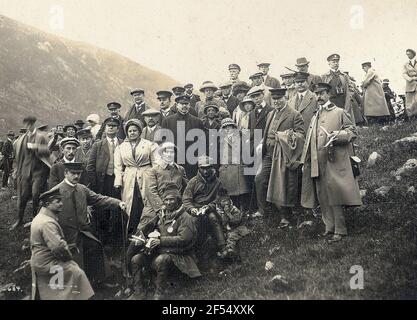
(355, 163)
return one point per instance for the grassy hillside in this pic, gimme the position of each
(382, 239)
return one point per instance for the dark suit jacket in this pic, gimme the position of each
(290, 119)
(146, 134)
(7, 149)
(132, 113)
(194, 99)
(120, 134)
(307, 107)
(232, 103)
(97, 164)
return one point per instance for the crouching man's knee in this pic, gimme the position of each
(162, 262)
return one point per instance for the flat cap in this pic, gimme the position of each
(247, 99)
(301, 76)
(333, 56)
(182, 99)
(113, 105)
(164, 93)
(225, 85)
(287, 75)
(189, 85)
(256, 75)
(240, 88)
(151, 112)
(137, 90)
(74, 166)
(178, 90)
(205, 161)
(86, 132)
(322, 86)
(301, 62)
(261, 64)
(234, 66)
(79, 123)
(385, 81)
(255, 90)
(70, 140)
(50, 194)
(171, 190)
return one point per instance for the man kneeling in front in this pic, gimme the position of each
(169, 246)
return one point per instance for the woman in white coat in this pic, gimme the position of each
(132, 159)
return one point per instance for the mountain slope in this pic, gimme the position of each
(59, 80)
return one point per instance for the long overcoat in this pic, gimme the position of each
(374, 102)
(334, 167)
(410, 76)
(130, 166)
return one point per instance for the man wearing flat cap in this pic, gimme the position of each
(69, 148)
(288, 83)
(176, 128)
(340, 92)
(328, 177)
(302, 64)
(194, 98)
(208, 88)
(410, 75)
(51, 250)
(234, 71)
(374, 104)
(200, 192)
(171, 247)
(258, 82)
(267, 79)
(166, 106)
(114, 110)
(138, 107)
(33, 161)
(151, 117)
(228, 98)
(277, 184)
(86, 142)
(100, 171)
(7, 152)
(304, 101)
(75, 222)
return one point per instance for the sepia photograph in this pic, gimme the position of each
(223, 152)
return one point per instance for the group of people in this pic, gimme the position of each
(161, 186)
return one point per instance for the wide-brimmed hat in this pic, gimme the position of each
(208, 85)
(205, 161)
(70, 126)
(211, 105)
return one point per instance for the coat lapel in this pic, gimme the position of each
(306, 101)
(262, 115)
(283, 116)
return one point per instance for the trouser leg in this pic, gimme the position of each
(38, 187)
(339, 220)
(25, 190)
(161, 265)
(261, 184)
(6, 172)
(326, 210)
(216, 230)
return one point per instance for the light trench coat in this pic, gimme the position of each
(130, 166)
(374, 102)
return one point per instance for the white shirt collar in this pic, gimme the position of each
(413, 61)
(326, 105)
(114, 140)
(69, 183)
(67, 161)
(151, 129)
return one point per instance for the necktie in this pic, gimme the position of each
(298, 101)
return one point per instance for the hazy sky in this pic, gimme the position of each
(193, 40)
